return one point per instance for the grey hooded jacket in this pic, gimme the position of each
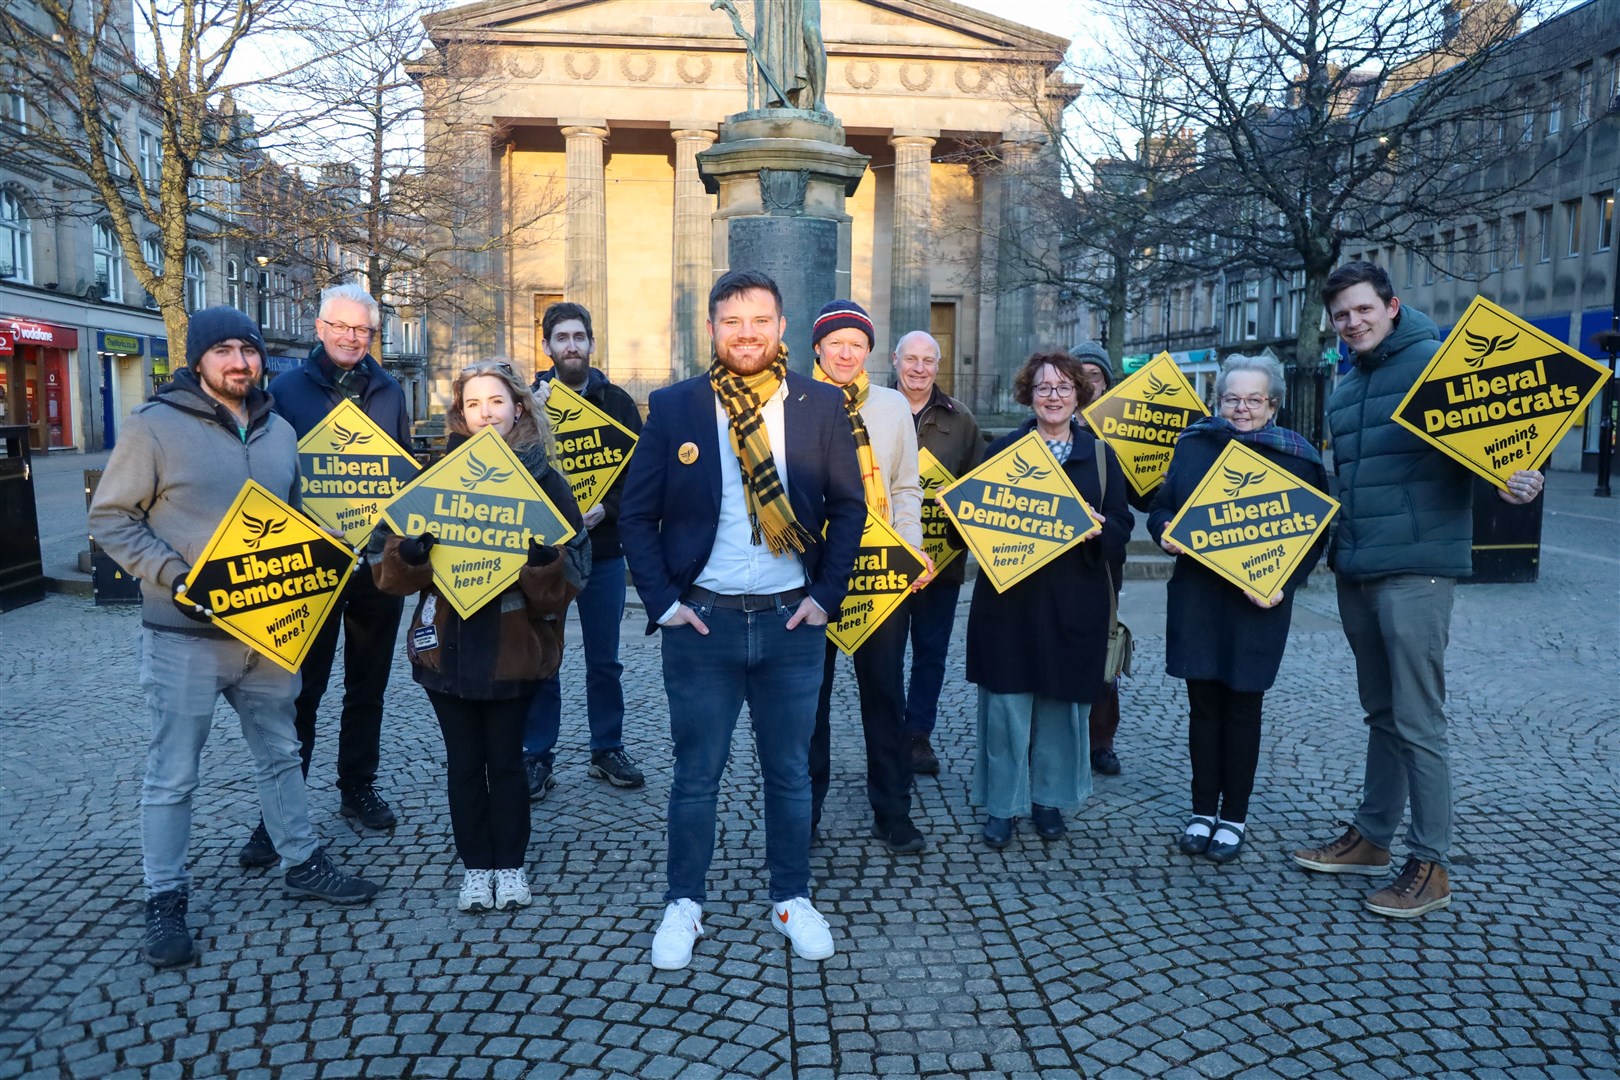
(176, 469)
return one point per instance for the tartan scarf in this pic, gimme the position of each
(744, 397)
(1281, 439)
(855, 393)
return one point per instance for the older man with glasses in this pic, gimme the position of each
(340, 367)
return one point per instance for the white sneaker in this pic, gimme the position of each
(803, 926)
(476, 893)
(682, 926)
(512, 889)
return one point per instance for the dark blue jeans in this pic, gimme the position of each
(933, 614)
(601, 609)
(753, 658)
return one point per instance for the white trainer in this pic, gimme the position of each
(476, 892)
(803, 926)
(682, 926)
(512, 889)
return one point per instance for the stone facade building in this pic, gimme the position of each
(601, 108)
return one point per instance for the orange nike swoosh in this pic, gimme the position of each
(783, 917)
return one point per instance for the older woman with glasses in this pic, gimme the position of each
(1036, 651)
(1225, 642)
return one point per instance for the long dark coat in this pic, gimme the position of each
(1048, 634)
(1213, 631)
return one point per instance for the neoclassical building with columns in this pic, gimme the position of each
(598, 110)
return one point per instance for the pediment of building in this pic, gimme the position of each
(851, 28)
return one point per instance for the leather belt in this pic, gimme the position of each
(697, 596)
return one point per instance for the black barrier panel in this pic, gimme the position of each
(22, 577)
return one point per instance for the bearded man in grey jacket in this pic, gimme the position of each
(179, 464)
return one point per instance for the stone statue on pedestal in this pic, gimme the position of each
(787, 60)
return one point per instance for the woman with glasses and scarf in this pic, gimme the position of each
(1227, 643)
(481, 672)
(1037, 651)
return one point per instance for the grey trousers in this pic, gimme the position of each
(1398, 628)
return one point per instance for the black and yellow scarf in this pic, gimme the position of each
(744, 397)
(855, 393)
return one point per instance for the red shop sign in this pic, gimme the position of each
(33, 333)
(5, 341)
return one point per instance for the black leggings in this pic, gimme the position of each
(1223, 740)
(489, 792)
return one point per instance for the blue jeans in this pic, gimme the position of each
(183, 676)
(601, 609)
(750, 657)
(933, 614)
(1398, 628)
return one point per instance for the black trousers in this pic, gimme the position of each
(880, 680)
(1223, 740)
(489, 793)
(369, 619)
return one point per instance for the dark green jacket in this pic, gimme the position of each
(1407, 508)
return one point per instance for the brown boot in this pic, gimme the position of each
(923, 760)
(1351, 853)
(1418, 889)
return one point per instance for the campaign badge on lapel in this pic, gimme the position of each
(687, 454)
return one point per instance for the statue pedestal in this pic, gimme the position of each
(781, 176)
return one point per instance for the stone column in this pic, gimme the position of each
(1016, 256)
(693, 261)
(910, 289)
(585, 250)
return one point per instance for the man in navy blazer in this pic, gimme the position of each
(741, 515)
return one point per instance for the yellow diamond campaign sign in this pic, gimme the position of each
(270, 576)
(1500, 393)
(936, 526)
(885, 567)
(1142, 416)
(349, 469)
(593, 446)
(1251, 521)
(483, 508)
(1018, 511)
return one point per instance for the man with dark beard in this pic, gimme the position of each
(741, 516)
(569, 342)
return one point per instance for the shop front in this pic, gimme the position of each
(36, 380)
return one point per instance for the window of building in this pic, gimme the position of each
(16, 241)
(295, 321)
(1411, 267)
(1470, 251)
(1555, 107)
(1234, 310)
(109, 146)
(1572, 228)
(233, 284)
(1583, 94)
(1493, 242)
(109, 263)
(152, 252)
(1448, 254)
(1516, 252)
(1296, 299)
(16, 110)
(1428, 262)
(147, 149)
(1527, 118)
(196, 288)
(1544, 234)
(1251, 310)
(264, 298)
(1605, 220)
(278, 301)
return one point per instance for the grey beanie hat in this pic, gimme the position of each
(1092, 352)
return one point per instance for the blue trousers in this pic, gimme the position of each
(601, 610)
(753, 658)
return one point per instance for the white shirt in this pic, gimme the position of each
(736, 564)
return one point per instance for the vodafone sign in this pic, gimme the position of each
(17, 332)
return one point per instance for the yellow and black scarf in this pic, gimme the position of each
(744, 397)
(855, 392)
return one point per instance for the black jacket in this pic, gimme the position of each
(947, 429)
(1048, 634)
(1213, 631)
(614, 401)
(305, 395)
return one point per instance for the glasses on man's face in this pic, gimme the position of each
(1253, 404)
(344, 329)
(1054, 390)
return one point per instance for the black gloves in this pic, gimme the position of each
(186, 605)
(414, 550)
(541, 555)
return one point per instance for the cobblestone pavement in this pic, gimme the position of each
(1102, 955)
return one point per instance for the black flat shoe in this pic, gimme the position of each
(1224, 853)
(998, 831)
(1189, 844)
(1048, 821)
